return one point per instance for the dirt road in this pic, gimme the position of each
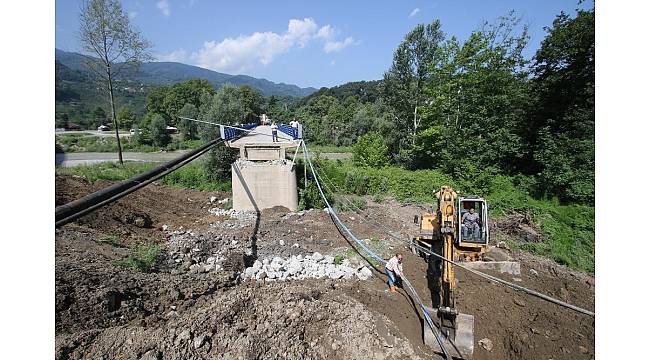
(187, 307)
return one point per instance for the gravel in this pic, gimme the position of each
(297, 267)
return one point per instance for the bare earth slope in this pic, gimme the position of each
(194, 304)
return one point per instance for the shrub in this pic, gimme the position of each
(310, 197)
(158, 131)
(371, 151)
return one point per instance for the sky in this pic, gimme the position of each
(307, 43)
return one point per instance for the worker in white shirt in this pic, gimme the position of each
(294, 126)
(394, 271)
(274, 131)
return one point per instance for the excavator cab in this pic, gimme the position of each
(474, 232)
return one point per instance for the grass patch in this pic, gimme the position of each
(191, 176)
(338, 259)
(109, 239)
(143, 259)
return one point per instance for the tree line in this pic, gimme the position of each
(478, 108)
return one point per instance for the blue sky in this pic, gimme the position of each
(306, 43)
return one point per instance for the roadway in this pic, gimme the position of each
(90, 158)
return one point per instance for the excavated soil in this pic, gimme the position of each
(193, 303)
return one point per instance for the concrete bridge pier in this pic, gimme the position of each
(262, 177)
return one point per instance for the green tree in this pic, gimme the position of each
(253, 102)
(105, 32)
(225, 107)
(188, 128)
(154, 103)
(99, 116)
(561, 131)
(158, 131)
(186, 92)
(477, 98)
(371, 151)
(126, 117)
(404, 82)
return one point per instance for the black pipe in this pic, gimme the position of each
(67, 210)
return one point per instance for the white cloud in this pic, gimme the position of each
(243, 52)
(335, 46)
(301, 30)
(174, 56)
(414, 12)
(133, 14)
(163, 6)
(333, 62)
(326, 32)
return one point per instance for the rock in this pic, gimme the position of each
(296, 245)
(583, 349)
(503, 245)
(564, 294)
(195, 267)
(257, 265)
(223, 201)
(213, 199)
(184, 336)
(140, 222)
(199, 341)
(317, 256)
(486, 344)
(165, 227)
(261, 275)
(364, 273)
(151, 355)
(208, 268)
(520, 302)
(281, 242)
(533, 272)
(328, 259)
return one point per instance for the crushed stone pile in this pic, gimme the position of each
(297, 267)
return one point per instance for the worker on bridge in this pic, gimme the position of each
(471, 222)
(394, 271)
(274, 132)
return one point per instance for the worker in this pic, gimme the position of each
(274, 132)
(470, 222)
(394, 271)
(294, 125)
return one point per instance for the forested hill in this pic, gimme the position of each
(363, 91)
(167, 73)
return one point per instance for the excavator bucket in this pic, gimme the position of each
(462, 344)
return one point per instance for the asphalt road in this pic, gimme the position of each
(89, 158)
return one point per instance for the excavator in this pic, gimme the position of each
(443, 233)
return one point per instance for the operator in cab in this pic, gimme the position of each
(394, 271)
(471, 222)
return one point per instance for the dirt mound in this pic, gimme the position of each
(519, 226)
(291, 321)
(140, 215)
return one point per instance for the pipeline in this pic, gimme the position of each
(80, 207)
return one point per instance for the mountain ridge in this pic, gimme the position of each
(167, 73)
